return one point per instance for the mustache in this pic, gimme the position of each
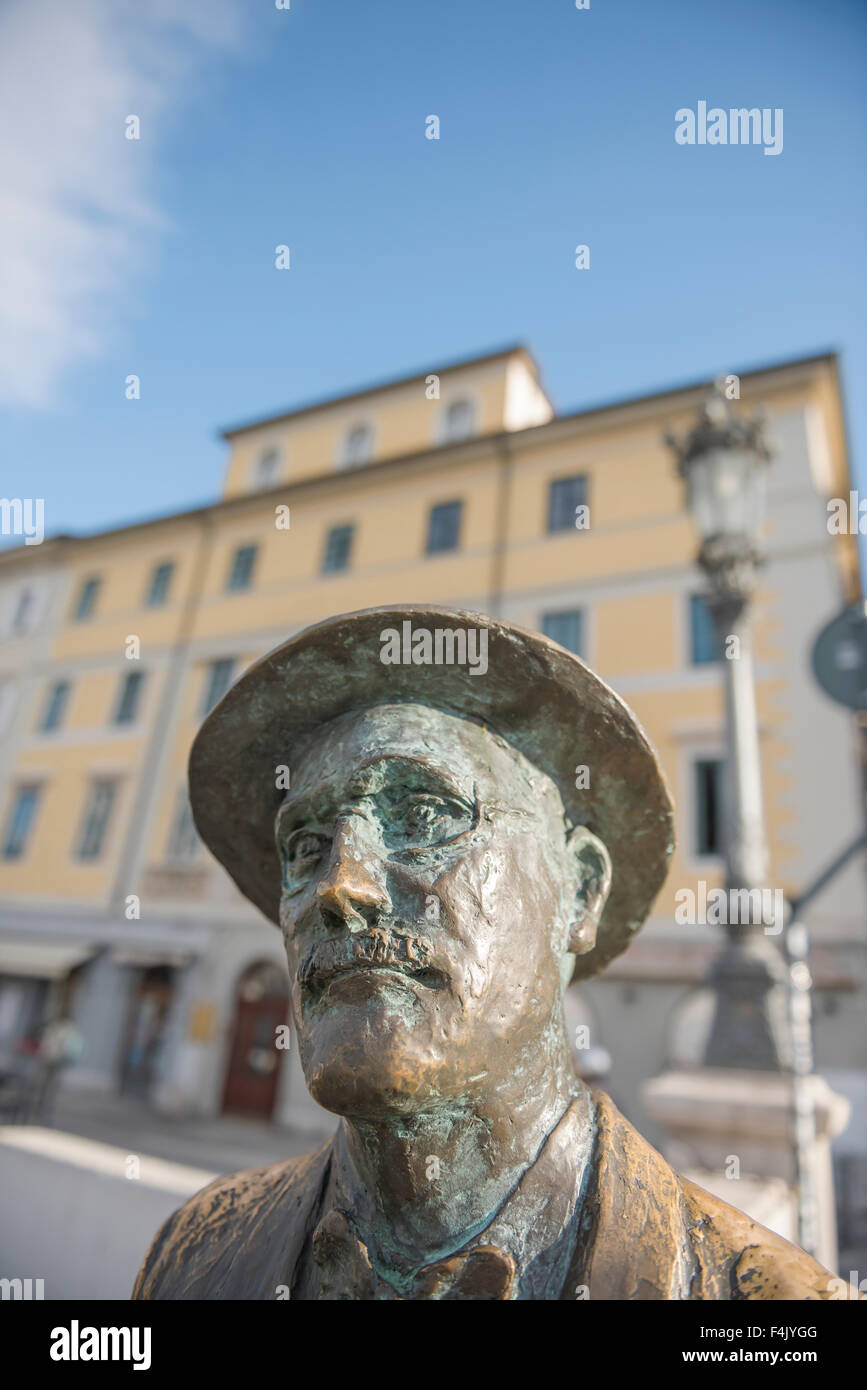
(386, 947)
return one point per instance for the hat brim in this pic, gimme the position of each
(534, 693)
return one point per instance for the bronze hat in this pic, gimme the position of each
(534, 693)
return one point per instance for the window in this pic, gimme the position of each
(23, 614)
(704, 644)
(565, 628)
(158, 591)
(443, 529)
(458, 421)
(184, 841)
(128, 701)
(97, 813)
(7, 705)
(565, 495)
(241, 572)
(337, 549)
(20, 822)
(217, 682)
(708, 773)
(87, 597)
(357, 446)
(55, 706)
(267, 468)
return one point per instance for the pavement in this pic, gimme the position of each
(82, 1197)
(222, 1144)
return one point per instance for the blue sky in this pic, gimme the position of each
(306, 127)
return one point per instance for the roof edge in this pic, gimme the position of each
(511, 350)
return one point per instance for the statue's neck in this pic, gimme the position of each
(419, 1186)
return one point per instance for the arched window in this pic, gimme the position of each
(266, 470)
(459, 420)
(357, 446)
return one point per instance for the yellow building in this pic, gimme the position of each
(459, 486)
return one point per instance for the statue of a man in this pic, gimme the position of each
(472, 820)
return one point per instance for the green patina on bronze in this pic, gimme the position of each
(439, 878)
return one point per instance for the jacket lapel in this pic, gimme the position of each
(633, 1241)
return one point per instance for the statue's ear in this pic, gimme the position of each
(592, 885)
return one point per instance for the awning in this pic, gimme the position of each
(148, 958)
(42, 960)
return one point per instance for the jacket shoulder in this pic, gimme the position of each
(741, 1259)
(238, 1237)
(660, 1235)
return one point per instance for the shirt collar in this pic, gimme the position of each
(523, 1253)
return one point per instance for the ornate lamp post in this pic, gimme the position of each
(724, 462)
(761, 1021)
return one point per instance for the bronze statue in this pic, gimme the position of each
(472, 819)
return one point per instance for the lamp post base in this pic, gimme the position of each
(732, 1131)
(750, 1027)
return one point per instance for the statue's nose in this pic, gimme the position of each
(353, 889)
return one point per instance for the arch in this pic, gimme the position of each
(357, 445)
(143, 1040)
(254, 1061)
(458, 420)
(267, 468)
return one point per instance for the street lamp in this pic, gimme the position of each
(724, 462)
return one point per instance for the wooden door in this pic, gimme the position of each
(254, 1059)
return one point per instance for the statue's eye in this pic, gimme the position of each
(303, 851)
(427, 820)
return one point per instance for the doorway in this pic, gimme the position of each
(261, 1006)
(145, 1031)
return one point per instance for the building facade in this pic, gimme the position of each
(460, 486)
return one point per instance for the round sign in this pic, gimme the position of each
(840, 657)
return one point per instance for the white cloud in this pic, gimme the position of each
(78, 220)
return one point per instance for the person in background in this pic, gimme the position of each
(60, 1046)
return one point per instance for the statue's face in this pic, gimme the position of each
(427, 898)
